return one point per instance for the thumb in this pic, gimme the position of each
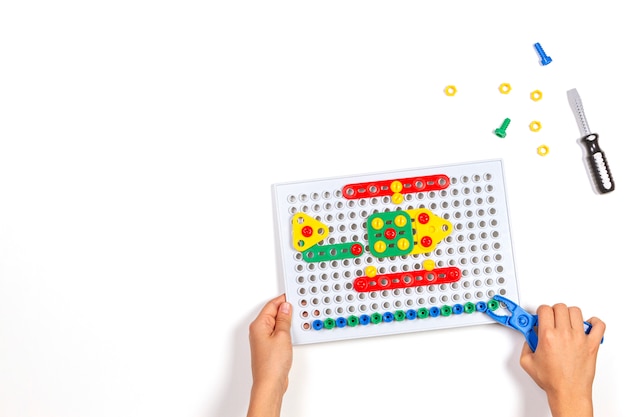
(283, 318)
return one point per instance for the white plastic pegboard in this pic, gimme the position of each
(478, 245)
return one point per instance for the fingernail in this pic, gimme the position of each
(285, 308)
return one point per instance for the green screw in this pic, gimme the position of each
(493, 305)
(501, 131)
(422, 313)
(376, 318)
(469, 307)
(353, 321)
(399, 315)
(446, 310)
(329, 323)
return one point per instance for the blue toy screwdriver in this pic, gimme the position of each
(522, 321)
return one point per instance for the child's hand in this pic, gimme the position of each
(564, 363)
(271, 357)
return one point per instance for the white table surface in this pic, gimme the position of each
(138, 145)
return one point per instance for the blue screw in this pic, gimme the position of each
(545, 59)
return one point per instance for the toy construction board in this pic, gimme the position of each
(394, 252)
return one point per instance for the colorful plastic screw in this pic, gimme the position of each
(501, 131)
(411, 314)
(446, 310)
(469, 307)
(387, 317)
(422, 313)
(545, 59)
(493, 305)
(376, 318)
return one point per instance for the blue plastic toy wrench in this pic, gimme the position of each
(521, 321)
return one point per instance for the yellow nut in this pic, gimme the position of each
(536, 95)
(450, 90)
(505, 88)
(535, 126)
(543, 150)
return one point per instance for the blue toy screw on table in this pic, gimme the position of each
(522, 321)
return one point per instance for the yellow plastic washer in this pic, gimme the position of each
(450, 90)
(536, 95)
(505, 88)
(535, 126)
(543, 150)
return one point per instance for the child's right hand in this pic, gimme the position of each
(564, 363)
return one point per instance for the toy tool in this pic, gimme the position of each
(521, 321)
(596, 160)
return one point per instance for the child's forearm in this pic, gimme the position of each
(571, 404)
(265, 401)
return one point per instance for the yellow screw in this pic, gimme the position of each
(429, 264)
(371, 271)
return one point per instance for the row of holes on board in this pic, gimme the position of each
(357, 262)
(339, 205)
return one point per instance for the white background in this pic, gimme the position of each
(138, 144)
